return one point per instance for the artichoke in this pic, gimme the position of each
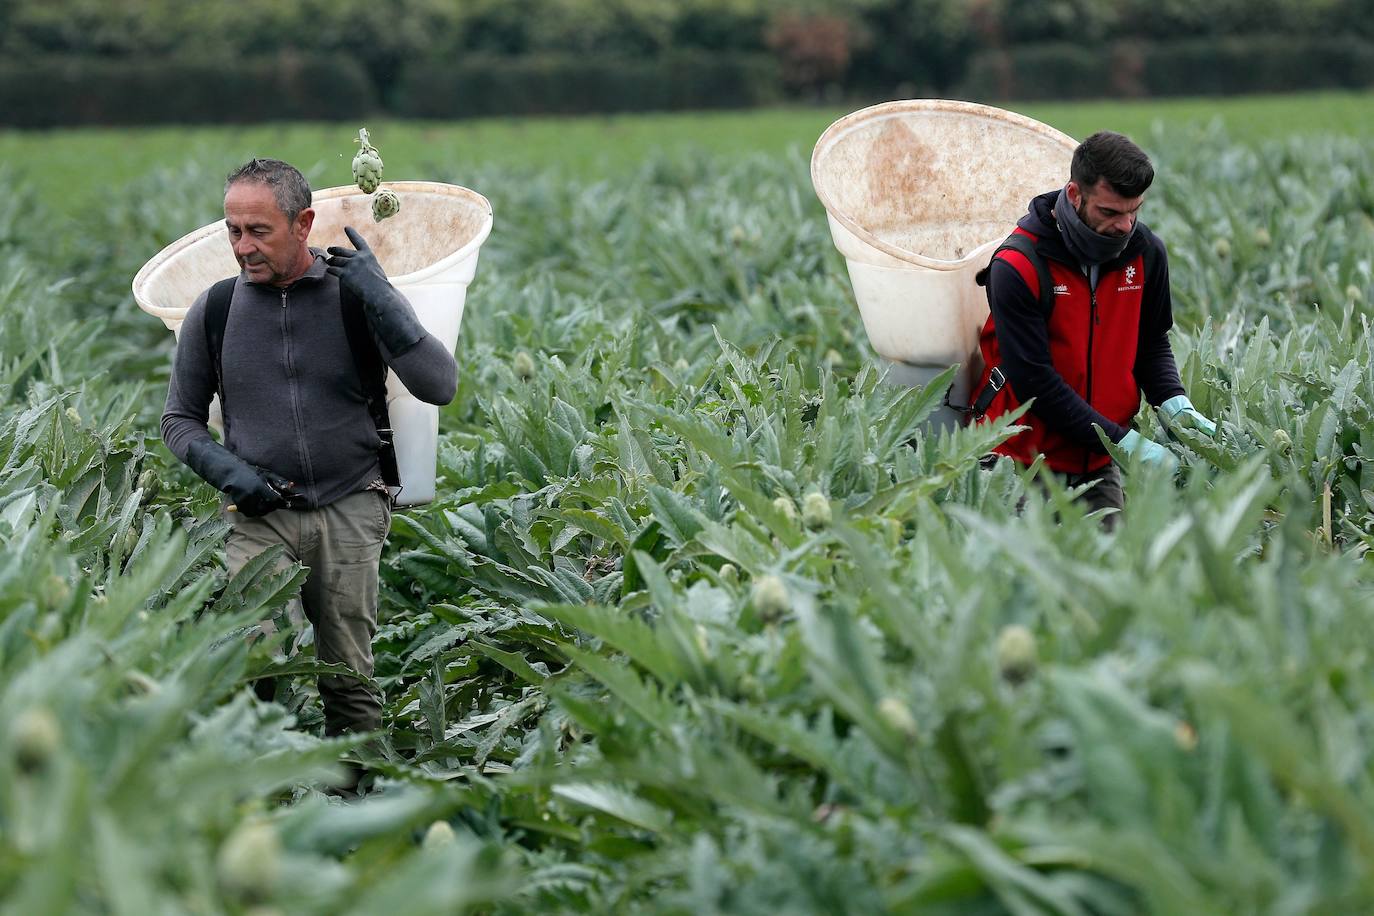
(36, 738)
(249, 860)
(815, 510)
(770, 598)
(439, 834)
(385, 204)
(788, 508)
(367, 164)
(898, 716)
(1017, 657)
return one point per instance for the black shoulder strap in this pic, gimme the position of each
(1025, 246)
(217, 303)
(367, 359)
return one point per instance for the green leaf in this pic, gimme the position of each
(618, 803)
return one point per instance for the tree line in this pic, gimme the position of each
(796, 49)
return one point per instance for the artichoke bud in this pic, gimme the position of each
(895, 531)
(770, 598)
(35, 737)
(249, 861)
(141, 683)
(523, 364)
(898, 716)
(1016, 653)
(703, 640)
(729, 574)
(384, 205)
(788, 508)
(1283, 442)
(149, 484)
(439, 834)
(367, 164)
(816, 511)
(54, 591)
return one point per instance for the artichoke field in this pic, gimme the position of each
(704, 619)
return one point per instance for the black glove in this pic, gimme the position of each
(391, 317)
(255, 491)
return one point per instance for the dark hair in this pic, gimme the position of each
(288, 185)
(1114, 157)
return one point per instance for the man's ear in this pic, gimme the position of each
(1075, 194)
(304, 221)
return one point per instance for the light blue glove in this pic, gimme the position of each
(1180, 409)
(1150, 452)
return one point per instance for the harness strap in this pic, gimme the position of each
(1023, 245)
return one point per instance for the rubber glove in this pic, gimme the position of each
(255, 491)
(391, 317)
(1150, 452)
(1180, 409)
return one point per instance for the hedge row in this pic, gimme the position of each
(1225, 66)
(55, 91)
(545, 84)
(69, 91)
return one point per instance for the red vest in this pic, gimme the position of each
(1093, 340)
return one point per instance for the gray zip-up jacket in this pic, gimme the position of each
(293, 402)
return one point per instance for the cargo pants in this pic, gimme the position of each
(341, 543)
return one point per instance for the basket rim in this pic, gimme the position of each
(849, 122)
(146, 272)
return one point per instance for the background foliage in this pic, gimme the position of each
(84, 61)
(627, 661)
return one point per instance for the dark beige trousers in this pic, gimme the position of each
(341, 544)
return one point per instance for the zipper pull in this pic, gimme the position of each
(283, 298)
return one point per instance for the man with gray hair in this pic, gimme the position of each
(295, 346)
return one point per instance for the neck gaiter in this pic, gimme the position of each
(1091, 248)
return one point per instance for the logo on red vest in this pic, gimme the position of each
(1130, 280)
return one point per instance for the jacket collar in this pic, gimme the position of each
(1040, 222)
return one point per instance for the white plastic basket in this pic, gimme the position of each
(918, 194)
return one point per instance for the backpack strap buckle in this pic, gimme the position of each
(996, 382)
